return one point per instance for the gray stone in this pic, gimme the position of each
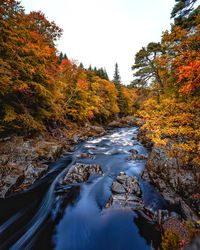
(75, 138)
(133, 186)
(121, 178)
(195, 245)
(173, 180)
(118, 188)
(137, 157)
(133, 151)
(86, 155)
(10, 182)
(4, 159)
(81, 172)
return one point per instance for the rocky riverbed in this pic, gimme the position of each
(180, 186)
(106, 181)
(24, 159)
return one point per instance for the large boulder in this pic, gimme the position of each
(9, 183)
(126, 192)
(183, 181)
(118, 188)
(81, 172)
(175, 182)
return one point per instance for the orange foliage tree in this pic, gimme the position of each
(39, 89)
(27, 62)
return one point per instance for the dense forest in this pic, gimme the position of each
(40, 87)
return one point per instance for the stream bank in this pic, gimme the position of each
(179, 184)
(25, 159)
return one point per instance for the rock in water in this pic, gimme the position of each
(126, 192)
(81, 172)
(118, 188)
(121, 178)
(10, 182)
(137, 157)
(133, 151)
(133, 186)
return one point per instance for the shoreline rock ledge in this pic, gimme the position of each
(176, 183)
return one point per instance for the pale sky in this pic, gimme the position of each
(103, 32)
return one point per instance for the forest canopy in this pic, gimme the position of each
(40, 87)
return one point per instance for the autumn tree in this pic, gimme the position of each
(41, 89)
(182, 58)
(37, 22)
(103, 92)
(27, 70)
(173, 122)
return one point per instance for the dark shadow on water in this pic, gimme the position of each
(113, 229)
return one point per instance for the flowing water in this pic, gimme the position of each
(73, 217)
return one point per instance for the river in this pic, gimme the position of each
(51, 215)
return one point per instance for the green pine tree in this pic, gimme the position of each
(81, 65)
(116, 76)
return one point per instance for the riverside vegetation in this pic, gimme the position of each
(168, 72)
(44, 96)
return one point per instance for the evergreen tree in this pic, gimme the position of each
(60, 57)
(147, 69)
(81, 65)
(184, 13)
(121, 100)
(116, 77)
(106, 75)
(65, 56)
